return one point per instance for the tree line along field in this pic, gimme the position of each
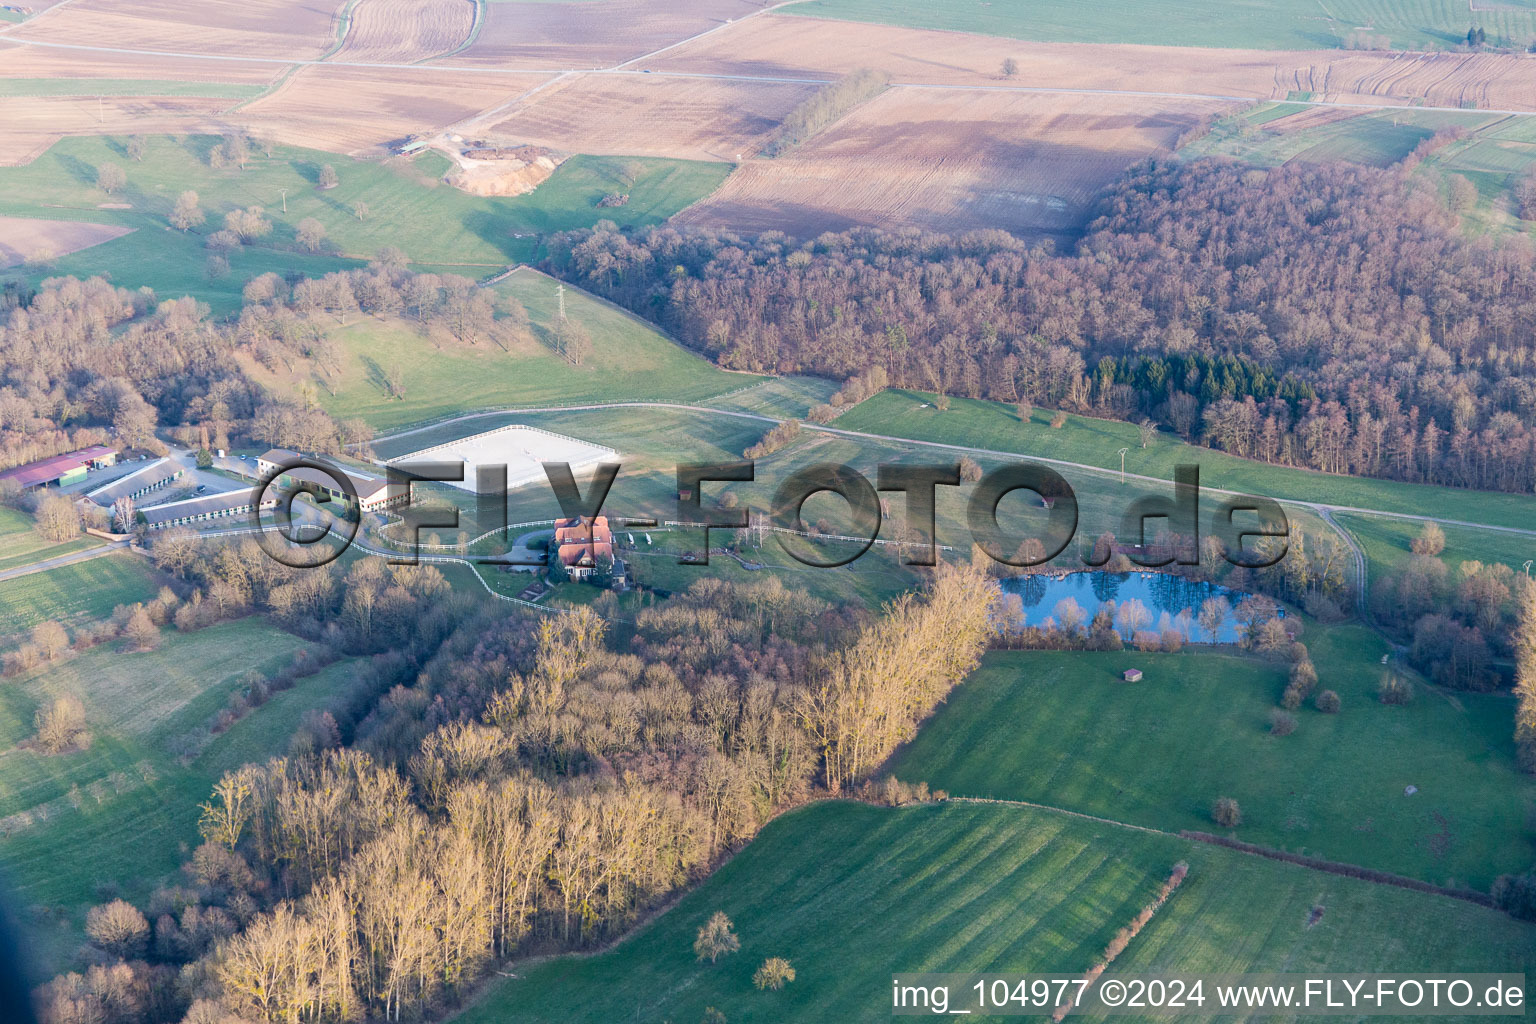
(850, 894)
(407, 208)
(629, 361)
(1265, 24)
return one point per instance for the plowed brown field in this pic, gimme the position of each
(788, 46)
(564, 36)
(346, 109)
(952, 161)
(33, 123)
(406, 30)
(690, 118)
(299, 29)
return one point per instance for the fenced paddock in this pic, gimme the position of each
(522, 449)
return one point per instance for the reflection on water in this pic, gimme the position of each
(1143, 600)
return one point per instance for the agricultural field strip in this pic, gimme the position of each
(1321, 508)
(785, 79)
(58, 560)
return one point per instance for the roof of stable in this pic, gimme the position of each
(55, 466)
(156, 472)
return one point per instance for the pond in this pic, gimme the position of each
(1161, 601)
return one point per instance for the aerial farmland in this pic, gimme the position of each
(731, 511)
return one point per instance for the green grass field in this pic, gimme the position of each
(630, 361)
(1498, 150)
(1256, 24)
(73, 594)
(125, 87)
(1385, 543)
(1094, 442)
(1063, 729)
(124, 811)
(409, 208)
(21, 544)
(851, 894)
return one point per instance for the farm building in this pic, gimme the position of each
(584, 544)
(191, 511)
(373, 491)
(60, 470)
(140, 482)
(1133, 675)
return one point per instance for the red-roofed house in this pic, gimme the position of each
(583, 543)
(60, 470)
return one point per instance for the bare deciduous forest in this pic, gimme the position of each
(1326, 316)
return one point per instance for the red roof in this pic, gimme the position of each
(44, 470)
(577, 554)
(582, 530)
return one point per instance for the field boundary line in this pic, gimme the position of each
(1331, 867)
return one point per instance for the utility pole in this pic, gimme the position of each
(1528, 570)
(284, 193)
(1122, 464)
(560, 297)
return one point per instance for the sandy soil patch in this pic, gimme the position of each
(516, 172)
(646, 115)
(23, 238)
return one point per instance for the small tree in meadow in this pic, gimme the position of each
(775, 973)
(716, 938)
(1226, 812)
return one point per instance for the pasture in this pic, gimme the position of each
(850, 894)
(432, 223)
(1064, 729)
(126, 801)
(1094, 442)
(629, 361)
(21, 544)
(1262, 24)
(73, 594)
(1386, 543)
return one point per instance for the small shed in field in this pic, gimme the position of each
(1133, 675)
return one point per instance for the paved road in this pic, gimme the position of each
(58, 560)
